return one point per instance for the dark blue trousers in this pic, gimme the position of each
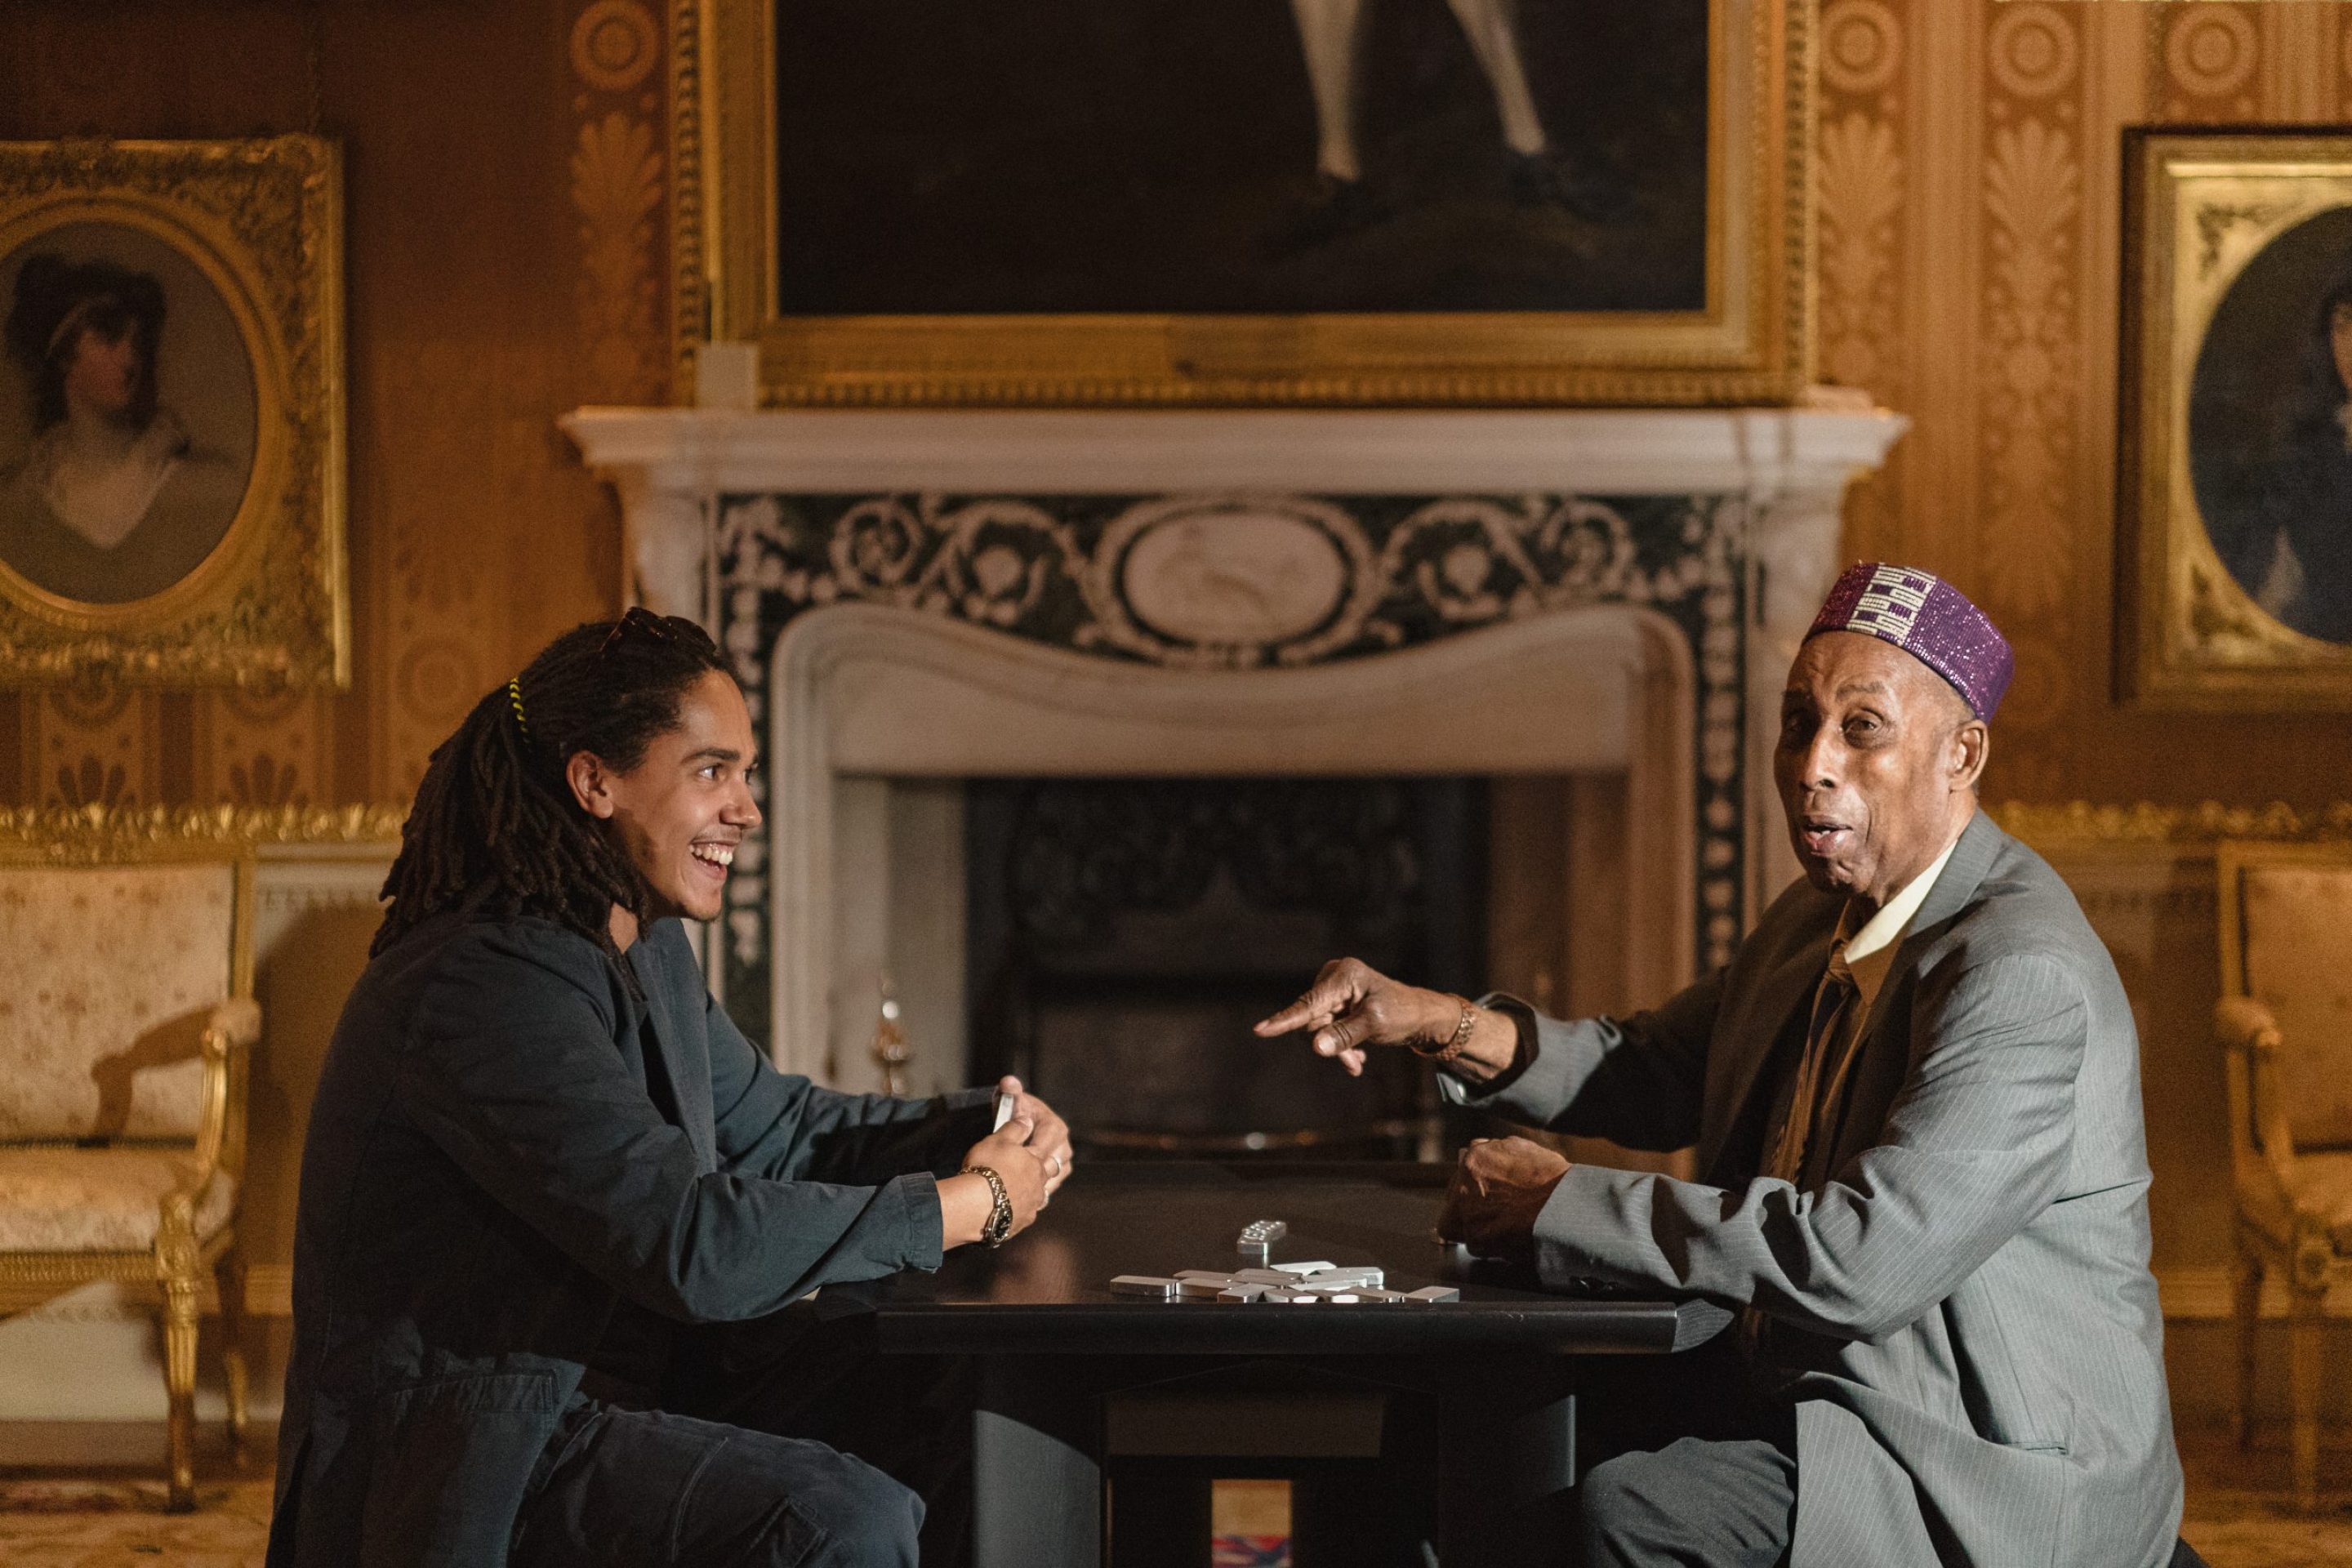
(785, 1441)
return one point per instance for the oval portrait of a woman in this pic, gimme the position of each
(127, 419)
(2270, 427)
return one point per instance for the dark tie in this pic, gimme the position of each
(1821, 1077)
(1818, 1071)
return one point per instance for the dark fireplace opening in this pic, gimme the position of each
(1123, 934)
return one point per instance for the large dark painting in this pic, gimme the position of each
(1210, 156)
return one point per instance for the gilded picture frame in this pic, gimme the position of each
(1749, 342)
(2235, 448)
(172, 446)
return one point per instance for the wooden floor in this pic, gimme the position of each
(2238, 1516)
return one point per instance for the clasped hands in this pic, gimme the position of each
(1499, 1185)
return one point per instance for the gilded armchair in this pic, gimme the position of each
(2284, 1024)
(126, 1016)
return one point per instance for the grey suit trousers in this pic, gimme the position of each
(1695, 1503)
(1697, 1466)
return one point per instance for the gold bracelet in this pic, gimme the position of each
(1461, 1040)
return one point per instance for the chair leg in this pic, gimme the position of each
(2245, 1307)
(2306, 1341)
(180, 1380)
(229, 1273)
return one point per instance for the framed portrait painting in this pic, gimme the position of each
(171, 413)
(2234, 490)
(1227, 202)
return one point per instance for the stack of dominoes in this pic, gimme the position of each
(1298, 1283)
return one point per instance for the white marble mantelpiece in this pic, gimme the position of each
(1790, 466)
(1762, 452)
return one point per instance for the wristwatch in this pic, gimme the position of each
(999, 1228)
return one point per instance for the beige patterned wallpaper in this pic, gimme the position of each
(504, 180)
(508, 234)
(1969, 189)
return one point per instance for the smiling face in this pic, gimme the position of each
(1877, 764)
(681, 811)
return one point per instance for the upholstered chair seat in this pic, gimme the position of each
(126, 1012)
(103, 1200)
(2284, 1024)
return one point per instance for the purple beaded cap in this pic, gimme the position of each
(1927, 618)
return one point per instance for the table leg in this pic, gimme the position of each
(1036, 1479)
(1506, 1479)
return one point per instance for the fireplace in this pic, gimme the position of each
(933, 612)
(1123, 934)
(884, 720)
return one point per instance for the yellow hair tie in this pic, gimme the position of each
(514, 697)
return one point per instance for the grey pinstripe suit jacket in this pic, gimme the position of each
(1965, 1311)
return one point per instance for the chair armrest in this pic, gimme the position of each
(229, 1032)
(237, 1021)
(2246, 1029)
(2243, 1024)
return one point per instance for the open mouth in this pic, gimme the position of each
(714, 857)
(1823, 836)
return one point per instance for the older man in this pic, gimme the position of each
(1915, 1098)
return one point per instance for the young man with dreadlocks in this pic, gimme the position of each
(557, 1216)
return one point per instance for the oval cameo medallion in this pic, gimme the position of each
(1233, 573)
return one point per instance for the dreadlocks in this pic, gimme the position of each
(495, 825)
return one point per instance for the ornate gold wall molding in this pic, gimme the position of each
(689, 265)
(617, 194)
(2030, 404)
(2206, 63)
(93, 746)
(1860, 178)
(95, 833)
(2060, 824)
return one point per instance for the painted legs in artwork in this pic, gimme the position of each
(1326, 37)
(1494, 38)
(1328, 34)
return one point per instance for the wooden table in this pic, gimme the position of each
(1477, 1398)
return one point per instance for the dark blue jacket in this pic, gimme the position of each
(513, 1167)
